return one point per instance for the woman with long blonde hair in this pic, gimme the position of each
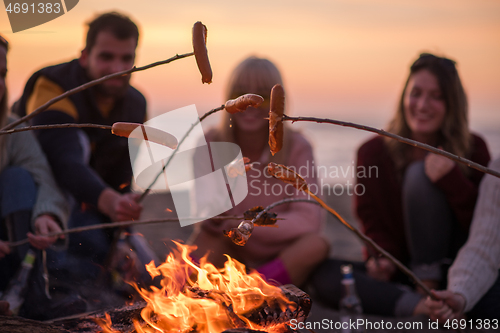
(289, 252)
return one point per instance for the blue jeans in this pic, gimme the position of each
(17, 191)
(17, 198)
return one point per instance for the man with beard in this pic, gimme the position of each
(91, 165)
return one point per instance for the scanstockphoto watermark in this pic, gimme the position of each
(329, 177)
(359, 324)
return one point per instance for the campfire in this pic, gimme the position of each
(198, 297)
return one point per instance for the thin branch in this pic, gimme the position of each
(37, 127)
(148, 189)
(400, 139)
(363, 237)
(369, 241)
(90, 84)
(121, 224)
(281, 202)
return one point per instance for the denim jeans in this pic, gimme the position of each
(17, 198)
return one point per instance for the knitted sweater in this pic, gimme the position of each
(22, 150)
(476, 267)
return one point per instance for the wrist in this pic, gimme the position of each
(461, 302)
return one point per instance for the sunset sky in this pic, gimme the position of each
(344, 59)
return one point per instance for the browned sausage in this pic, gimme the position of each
(152, 134)
(241, 103)
(200, 51)
(276, 118)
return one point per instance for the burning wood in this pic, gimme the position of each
(201, 298)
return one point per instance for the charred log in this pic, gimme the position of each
(21, 325)
(268, 314)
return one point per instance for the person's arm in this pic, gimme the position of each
(298, 218)
(25, 152)
(66, 149)
(375, 205)
(461, 191)
(476, 266)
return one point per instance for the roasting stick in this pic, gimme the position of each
(410, 142)
(199, 41)
(369, 241)
(365, 238)
(91, 84)
(239, 104)
(121, 224)
(148, 189)
(291, 177)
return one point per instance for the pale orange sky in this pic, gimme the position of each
(344, 59)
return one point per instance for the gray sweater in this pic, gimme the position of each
(476, 267)
(22, 149)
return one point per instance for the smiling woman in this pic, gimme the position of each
(419, 205)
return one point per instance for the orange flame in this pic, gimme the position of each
(202, 297)
(106, 324)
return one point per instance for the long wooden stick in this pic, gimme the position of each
(358, 233)
(148, 189)
(120, 224)
(38, 127)
(369, 241)
(90, 84)
(410, 142)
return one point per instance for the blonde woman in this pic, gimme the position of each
(289, 252)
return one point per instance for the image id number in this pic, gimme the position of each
(472, 324)
(41, 8)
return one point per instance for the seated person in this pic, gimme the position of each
(291, 251)
(91, 165)
(417, 206)
(31, 204)
(474, 279)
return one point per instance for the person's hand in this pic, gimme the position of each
(449, 306)
(127, 208)
(44, 224)
(4, 309)
(119, 207)
(4, 249)
(381, 269)
(436, 166)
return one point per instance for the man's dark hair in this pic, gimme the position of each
(118, 24)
